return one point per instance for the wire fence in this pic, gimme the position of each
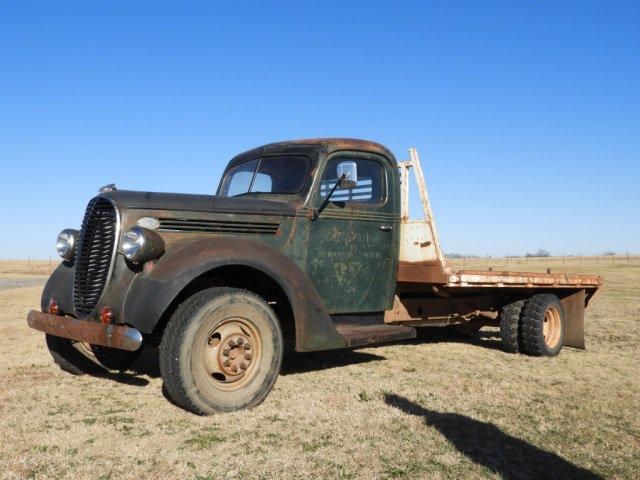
(564, 259)
(29, 266)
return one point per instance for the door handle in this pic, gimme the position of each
(386, 228)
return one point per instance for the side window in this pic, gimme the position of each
(369, 189)
(239, 178)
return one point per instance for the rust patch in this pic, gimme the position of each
(422, 272)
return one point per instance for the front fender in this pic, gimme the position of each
(153, 290)
(60, 287)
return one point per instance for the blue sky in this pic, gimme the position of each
(526, 114)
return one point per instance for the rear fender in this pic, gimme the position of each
(153, 290)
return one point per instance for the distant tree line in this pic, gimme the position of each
(540, 253)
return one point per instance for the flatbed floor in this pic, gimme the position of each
(433, 273)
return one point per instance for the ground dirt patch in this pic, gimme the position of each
(440, 407)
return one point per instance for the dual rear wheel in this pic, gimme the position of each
(534, 326)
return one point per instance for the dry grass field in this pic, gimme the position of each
(439, 407)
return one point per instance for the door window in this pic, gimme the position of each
(369, 189)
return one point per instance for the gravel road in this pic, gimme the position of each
(9, 283)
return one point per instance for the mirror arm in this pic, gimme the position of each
(316, 213)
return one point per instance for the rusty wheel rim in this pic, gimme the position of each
(232, 353)
(551, 327)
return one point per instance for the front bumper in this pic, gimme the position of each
(95, 333)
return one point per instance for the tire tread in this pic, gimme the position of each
(510, 326)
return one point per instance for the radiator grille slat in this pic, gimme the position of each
(93, 256)
(217, 226)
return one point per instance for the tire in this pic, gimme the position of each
(79, 358)
(542, 325)
(221, 351)
(510, 326)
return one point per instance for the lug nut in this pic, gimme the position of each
(234, 369)
(247, 356)
(225, 352)
(227, 363)
(247, 347)
(231, 343)
(240, 341)
(243, 366)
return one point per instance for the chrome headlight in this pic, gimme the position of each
(140, 245)
(66, 243)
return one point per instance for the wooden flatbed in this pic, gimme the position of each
(490, 278)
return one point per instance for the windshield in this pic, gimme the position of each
(280, 174)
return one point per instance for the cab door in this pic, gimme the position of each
(353, 243)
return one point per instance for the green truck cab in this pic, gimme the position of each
(306, 245)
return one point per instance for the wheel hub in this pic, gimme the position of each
(232, 353)
(551, 327)
(235, 356)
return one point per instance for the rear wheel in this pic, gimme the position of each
(542, 325)
(221, 351)
(79, 357)
(510, 326)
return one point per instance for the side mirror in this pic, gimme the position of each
(349, 169)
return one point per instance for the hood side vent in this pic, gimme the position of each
(217, 226)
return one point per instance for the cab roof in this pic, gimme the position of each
(327, 145)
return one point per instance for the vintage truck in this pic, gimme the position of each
(306, 245)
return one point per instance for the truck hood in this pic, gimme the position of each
(198, 203)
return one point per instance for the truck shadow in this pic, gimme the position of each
(484, 338)
(487, 445)
(295, 362)
(148, 363)
(126, 378)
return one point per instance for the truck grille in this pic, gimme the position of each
(93, 254)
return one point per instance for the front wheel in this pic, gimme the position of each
(79, 358)
(221, 351)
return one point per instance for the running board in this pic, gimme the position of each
(359, 335)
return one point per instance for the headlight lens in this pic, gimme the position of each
(140, 245)
(66, 243)
(132, 243)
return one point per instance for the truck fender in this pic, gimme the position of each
(60, 287)
(153, 290)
